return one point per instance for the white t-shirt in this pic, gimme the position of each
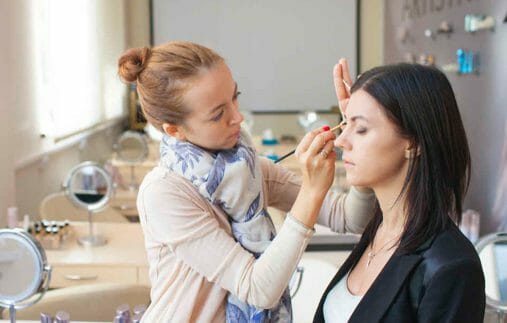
(340, 302)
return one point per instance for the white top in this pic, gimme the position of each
(340, 302)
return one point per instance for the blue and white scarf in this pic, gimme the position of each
(231, 179)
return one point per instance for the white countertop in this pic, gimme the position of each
(125, 246)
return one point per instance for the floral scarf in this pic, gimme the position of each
(231, 179)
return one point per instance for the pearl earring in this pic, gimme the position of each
(412, 153)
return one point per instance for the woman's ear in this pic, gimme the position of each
(413, 151)
(173, 130)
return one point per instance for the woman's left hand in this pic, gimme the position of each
(342, 81)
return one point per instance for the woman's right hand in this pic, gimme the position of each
(316, 157)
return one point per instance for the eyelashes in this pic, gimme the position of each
(360, 130)
(219, 116)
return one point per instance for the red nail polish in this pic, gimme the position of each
(326, 128)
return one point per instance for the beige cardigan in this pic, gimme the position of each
(194, 261)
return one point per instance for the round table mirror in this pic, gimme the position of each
(89, 186)
(24, 271)
(492, 250)
(132, 149)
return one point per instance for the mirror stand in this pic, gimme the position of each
(492, 250)
(132, 149)
(133, 186)
(89, 186)
(500, 315)
(91, 239)
(12, 313)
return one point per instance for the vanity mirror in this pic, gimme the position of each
(492, 250)
(24, 271)
(132, 149)
(89, 186)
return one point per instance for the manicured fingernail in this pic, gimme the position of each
(326, 128)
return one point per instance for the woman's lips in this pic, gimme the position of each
(236, 134)
(348, 163)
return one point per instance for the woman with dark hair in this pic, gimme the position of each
(404, 138)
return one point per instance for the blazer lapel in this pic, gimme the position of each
(382, 292)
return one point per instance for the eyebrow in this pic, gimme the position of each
(223, 104)
(354, 118)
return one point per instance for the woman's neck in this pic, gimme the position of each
(393, 209)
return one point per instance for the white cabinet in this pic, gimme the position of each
(319, 268)
(122, 260)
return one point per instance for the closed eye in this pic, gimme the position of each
(361, 130)
(218, 116)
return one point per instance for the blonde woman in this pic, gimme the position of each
(213, 252)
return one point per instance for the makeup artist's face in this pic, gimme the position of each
(373, 150)
(214, 119)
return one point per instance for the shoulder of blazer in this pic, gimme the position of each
(448, 247)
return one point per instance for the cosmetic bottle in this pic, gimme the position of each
(12, 217)
(37, 233)
(139, 309)
(124, 311)
(26, 222)
(137, 318)
(45, 318)
(55, 238)
(62, 317)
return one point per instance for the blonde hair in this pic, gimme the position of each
(162, 76)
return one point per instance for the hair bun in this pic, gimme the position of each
(132, 63)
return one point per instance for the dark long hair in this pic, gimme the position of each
(420, 101)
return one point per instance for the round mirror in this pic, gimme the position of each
(89, 186)
(24, 271)
(492, 250)
(132, 149)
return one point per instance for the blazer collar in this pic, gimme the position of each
(384, 289)
(382, 292)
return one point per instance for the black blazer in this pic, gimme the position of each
(442, 281)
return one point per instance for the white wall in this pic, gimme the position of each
(24, 179)
(281, 53)
(7, 100)
(371, 34)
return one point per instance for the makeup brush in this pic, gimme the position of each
(293, 151)
(344, 122)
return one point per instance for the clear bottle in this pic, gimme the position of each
(12, 217)
(139, 309)
(137, 318)
(45, 318)
(62, 317)
(123, 313)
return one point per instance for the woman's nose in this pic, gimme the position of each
(237, 117)
(342, 142)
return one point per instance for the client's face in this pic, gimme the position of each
(373, 150)
(214, 119)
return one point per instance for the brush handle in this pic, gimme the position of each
(293, 151)
(285, 156)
